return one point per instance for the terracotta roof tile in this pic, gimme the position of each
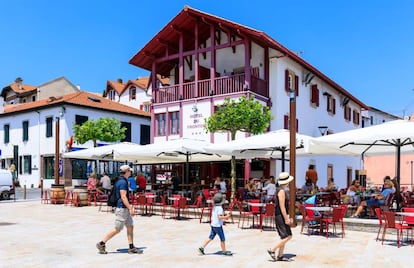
(79, 99)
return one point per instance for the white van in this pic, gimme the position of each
(6, 184)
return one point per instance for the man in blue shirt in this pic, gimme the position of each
(123, 213)
(377, 201)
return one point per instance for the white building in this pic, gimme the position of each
(28, 133)
(208, 58)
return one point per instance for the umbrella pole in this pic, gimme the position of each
(398, 172)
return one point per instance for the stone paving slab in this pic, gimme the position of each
(46, 235)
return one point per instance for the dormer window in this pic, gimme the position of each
(111, 94)
(132, 93)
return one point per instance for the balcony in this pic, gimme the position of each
(222, 86)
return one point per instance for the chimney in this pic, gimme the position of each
(19, 82)
(119, 80)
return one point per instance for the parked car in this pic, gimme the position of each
(6, 184)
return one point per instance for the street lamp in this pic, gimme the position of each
(292, 151)
(323, 129)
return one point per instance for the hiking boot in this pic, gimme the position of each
(201, 250)
(135, 251)
(101, 248)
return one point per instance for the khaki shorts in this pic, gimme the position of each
(122, 218)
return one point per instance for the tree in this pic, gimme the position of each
(104, 129)
(246, 115)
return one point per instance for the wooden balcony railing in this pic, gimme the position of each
(222, 86)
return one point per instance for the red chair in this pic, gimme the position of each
(390, 223)
(180, 208)
(206, 208)
(381, 221)
(269, 213)
(408, 219)
(45, 196)
(336, 218)
(149, 201)
(162, 205)
(68, 197)
(252, 212)
(197, 205)
(313, 221)
(140, 204)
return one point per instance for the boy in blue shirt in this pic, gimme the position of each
(217, 218)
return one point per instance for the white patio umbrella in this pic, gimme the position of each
(273, 144)
(394, 137)
(105, 152)
(182, 150)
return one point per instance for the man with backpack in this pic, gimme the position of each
(123, 212)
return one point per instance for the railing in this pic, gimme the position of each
(222, 86)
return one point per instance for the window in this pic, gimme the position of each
(174, 124)
(49, 124)
(331, 104)
(286, 123)
(27, 164)
(111, 94)
(6, 133)
(33, 98)
(25, 130)
(315, 95)
(80, 119)
(355, 115)
(145, 135)
(132, 93)
(146, 107)
(127, 131)
(347, 113)
(48, 167)
(291, 82)
(160, 123)
(79, 168)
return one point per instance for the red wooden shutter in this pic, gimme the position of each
(287, 80)
(286, 122)
(297, 85)
(333, 105)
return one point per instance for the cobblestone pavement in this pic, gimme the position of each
(46, 235)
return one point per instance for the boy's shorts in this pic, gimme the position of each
(217, 231)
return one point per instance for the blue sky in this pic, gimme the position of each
(366, 46)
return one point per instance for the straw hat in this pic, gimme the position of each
(284, 178)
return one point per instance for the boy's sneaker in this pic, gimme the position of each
(201, 249)
(101, 248)
(227, 253)
(135, 251)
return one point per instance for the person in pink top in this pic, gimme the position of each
(92, 182)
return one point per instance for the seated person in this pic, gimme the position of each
(352, 191)
(270, 189)
(378, 200)
(105, 184)
(141, 182)
(331, 185)
(307, 187)
(250, 190)
(92, 182)
(132, 184)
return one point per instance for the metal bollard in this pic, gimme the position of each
(24, 192)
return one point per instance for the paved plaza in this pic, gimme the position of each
(46, 235)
